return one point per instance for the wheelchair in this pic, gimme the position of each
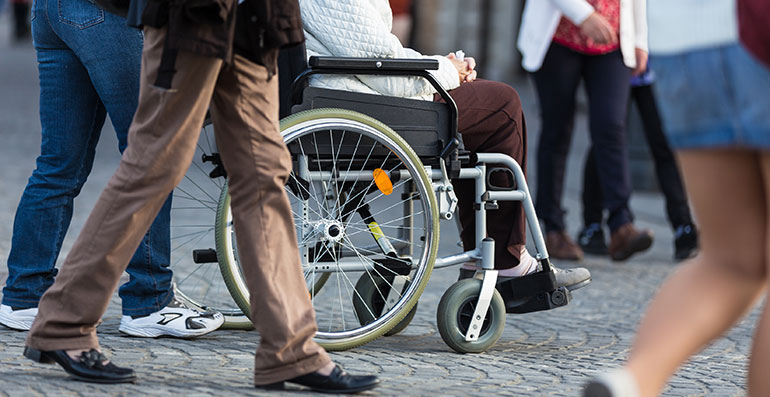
(371, 181)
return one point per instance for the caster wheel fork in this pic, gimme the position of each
(456, 312)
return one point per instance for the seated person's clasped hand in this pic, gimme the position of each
(465, 67)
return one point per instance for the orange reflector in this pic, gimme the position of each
(382, 180)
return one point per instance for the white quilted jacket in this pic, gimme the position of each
(361, 28)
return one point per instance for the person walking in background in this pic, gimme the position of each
(195, 59)
(402, 20)
(715, 105)
(2, 7)
(20, 20)
(599, 42)
(752, 22)
(89, 63)
(591, 238)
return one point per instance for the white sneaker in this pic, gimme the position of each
(616, 383)
(176, 320)
(20, 320)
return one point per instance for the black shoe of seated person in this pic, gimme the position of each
(338, 381)
(88, 367)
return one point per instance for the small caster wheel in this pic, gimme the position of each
(558, 298)
(455, 311)
(370, 299)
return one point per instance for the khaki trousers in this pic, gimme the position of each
(162, 140)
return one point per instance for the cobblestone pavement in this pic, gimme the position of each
(547, 353)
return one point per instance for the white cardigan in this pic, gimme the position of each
(685, 25)
(361, 28)
(541, 18)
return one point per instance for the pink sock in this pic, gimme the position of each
(527, 264)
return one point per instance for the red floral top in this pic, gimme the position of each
(569, 35)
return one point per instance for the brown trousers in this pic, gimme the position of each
(491, 121)
(162, 140)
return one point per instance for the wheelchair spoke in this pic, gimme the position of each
(380, 194)
(325, 188)
(336, 157)
(347, 285)
(187, 198)
(194, 211)
(364, 259)
(363, 192)
(363, 195)
(311, 208)
(386, 224)
(374, 267)
(360, 230)
(312, 185)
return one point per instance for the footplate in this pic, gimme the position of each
(532, 293)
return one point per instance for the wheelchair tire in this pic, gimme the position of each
(197, 279)
(370, 294)
(455, 310)
(329, 259)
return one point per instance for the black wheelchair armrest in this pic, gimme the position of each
(373, 64)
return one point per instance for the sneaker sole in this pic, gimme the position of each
(596, 389)
(578, 285)
(155, 332)
(16, 324)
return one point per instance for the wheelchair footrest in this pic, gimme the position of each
(542, 301)
(532, 293)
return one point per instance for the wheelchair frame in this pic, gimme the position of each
(454, 165)
(447, 160)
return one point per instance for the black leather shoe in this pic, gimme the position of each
(89, 367)
(337, 382)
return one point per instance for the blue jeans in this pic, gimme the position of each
(89, 63)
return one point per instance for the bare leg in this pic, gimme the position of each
(710, 293)
(759, 383)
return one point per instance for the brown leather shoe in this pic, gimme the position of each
(560, 246)
(628, 240)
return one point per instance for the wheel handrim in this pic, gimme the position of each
(194, 208)
(423, 258)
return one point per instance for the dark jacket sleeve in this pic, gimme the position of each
(264, 26)
(254, 29)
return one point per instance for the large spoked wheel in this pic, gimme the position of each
(363, 206)
(455, 311)
(197, 278)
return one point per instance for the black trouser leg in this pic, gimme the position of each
(607, 85)
(556, 83)
(21, 20)
(666, 167)
(592, 192)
